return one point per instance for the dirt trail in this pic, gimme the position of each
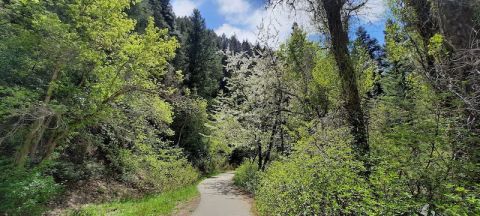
(219, 197)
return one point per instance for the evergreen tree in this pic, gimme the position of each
(182, 26)
(374, 51)
(141, 12)
(204, 70)
(160, 10)
(247, 48)
(224, 42)
(235, 46)
(163, 14)
(370, 44)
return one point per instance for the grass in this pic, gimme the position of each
(162, 204)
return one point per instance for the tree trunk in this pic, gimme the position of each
(38, 126)
(339, 42)
(456, 22)
(270, 143)
(259, 152)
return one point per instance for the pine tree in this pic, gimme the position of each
(247, 48)
(235, 46)
(160, 10)
(204, 70)
(140, 11)
(163, 14)
(370, 44)
(376, 52)
(223, 43)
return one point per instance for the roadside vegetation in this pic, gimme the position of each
(163, 204)
(353, 127)
(104, 100)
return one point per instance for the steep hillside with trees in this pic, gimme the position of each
(91, 98)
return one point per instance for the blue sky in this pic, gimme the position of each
(249, 20)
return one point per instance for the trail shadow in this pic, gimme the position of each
(224, 187)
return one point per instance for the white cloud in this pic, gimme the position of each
(271, 26)
(241, 34)
(278, 21)
(374, 11)
(233, 6)
(184, 7)
(274, 24)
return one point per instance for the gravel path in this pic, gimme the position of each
(219, 197)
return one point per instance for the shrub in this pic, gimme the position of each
(247, 176)
(320, 179)
(25, 192)
(153, 173)
(312, 186)
(461, 201)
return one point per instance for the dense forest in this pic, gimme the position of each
(103, 100)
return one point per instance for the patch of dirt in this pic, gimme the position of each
(94, 191)
(187, 208)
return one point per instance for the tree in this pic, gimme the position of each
(256, 101)
(374, 49)
(301, 58)
(163, 11)
(223, 43)
(203, 71)
(247, 48)
(365, 45)
(160, 10)
(190, 130)
(87, 64)
(445, 50)
(335, 15)
(339, 43)
(84, 98)
(235, 46)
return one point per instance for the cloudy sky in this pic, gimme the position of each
(248, 19)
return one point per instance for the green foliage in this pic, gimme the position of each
(436, 47)
(217, 155)
(461, 201)
(191, 131)
(366, 70)
(160, 10)
(411, 120)
(247, 176)
(325, 75)
(306, 74)
(227, 134)
(199, 58)
(25, 192)
(102, 88)
(321, 178)
(158, 172)
(396, 46)
(416, 133)
(81, 87)
(84, 61)
(162, 204)
(15, 98)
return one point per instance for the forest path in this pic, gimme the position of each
(219, 197)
